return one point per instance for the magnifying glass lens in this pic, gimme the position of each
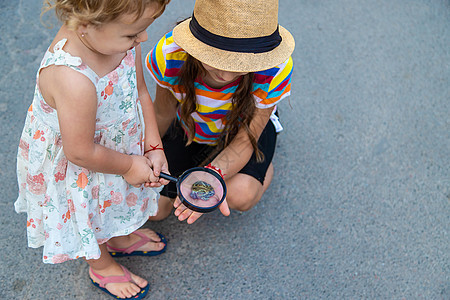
(202, 189)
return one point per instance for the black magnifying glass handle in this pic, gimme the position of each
(168, 177)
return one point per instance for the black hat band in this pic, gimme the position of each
(246, 45)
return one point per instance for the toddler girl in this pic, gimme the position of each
(80, 166)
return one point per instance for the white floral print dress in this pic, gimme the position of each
(71, 209)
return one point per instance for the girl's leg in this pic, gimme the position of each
(107, 266)
(245, 191)
(246, 188)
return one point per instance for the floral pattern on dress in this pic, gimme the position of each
(70, 209)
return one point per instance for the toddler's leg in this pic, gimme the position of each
(106, 266)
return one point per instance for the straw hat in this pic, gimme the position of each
(235, 35)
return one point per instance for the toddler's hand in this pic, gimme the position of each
(139, 172)
(159, 164)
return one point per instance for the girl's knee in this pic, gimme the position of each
(243, 204)
(243, 196)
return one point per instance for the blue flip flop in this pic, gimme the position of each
(118, 279)
(131, 251)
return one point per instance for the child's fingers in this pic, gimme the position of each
(194, 217)
(177, 202)
(163, 181)
(156, 169)
(153, 179)
(165, 168)
(179, 210)
(189, 215)
(184, 213)
(159, 167)
(224, 208)
(154, 184)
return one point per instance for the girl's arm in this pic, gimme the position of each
(152, 137)
(237, 154)
(230, 161)
(74, 97)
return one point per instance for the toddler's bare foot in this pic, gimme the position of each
(119, 287)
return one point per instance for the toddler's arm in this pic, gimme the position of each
(74, 97)
(152, 138)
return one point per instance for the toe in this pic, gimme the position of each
(151, 234)
(155, 243)
(141, 282)
(133, 290)
(159, 246)
(123, 295)
(152, 246)
(129, 292)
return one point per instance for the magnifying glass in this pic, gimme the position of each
(199, 189)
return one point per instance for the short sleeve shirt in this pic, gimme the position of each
(269, 87)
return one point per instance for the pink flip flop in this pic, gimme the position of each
(131, 251)
(126, 277)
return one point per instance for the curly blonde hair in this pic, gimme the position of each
(74, 13)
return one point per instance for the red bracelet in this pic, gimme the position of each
(218, 170)
(154, 148)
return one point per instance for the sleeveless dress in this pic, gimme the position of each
(72, 209)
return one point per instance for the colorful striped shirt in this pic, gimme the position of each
(270, 86)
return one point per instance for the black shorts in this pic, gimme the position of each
(181, 157)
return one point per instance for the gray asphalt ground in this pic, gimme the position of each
(359, 207)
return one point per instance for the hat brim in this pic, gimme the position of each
(233, 61)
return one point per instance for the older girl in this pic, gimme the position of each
(220, 75)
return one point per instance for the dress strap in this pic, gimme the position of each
(59, 57)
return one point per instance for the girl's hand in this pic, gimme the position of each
(140, 171)
(183, 213)
(159, 164)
